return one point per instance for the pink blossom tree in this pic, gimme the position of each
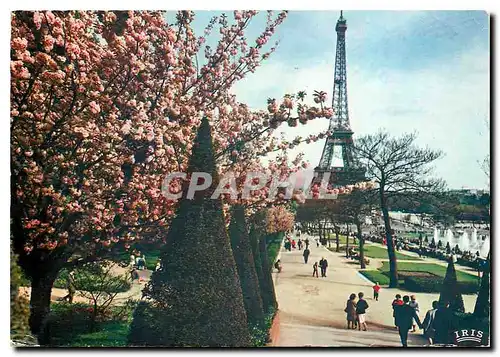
(103, 106)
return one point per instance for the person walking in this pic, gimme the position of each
(306, 242)
(140, 263)
(299, 243)
(361, 307)
(405, 314)
(414, 304)
(350, 309)
(71, 288)
(395, 304)
(443, 324)
(306, 255)
(293, 243)
(376, 289)
(323, 264)
(315, 269)
(317, 243)
(428, 323)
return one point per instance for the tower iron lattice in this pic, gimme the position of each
(340, 141)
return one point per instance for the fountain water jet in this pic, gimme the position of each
(449, 237)
(485, 248)
(464, 242)
(474, 244)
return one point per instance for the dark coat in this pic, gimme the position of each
(429, 323)
(361, 306)
(323, 263)
(444, 325)
(405, 315)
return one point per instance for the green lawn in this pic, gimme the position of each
(376, 276)
(342, 239)
(110, 334)
(431, 268)
(383, 279)
(373, 251)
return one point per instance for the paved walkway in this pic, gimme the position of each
(312, 309)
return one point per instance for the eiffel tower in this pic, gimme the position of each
(337, 157)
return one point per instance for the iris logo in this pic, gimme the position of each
(469, 337)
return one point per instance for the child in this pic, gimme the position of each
(397, 302)
(315, 269)
(414, 304)
(376, 289)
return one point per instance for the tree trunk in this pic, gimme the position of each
(41, 289)
(337, 239)
(320, 232)
(361, 245)
(390, 244)
(347, 242)
(327, 235)
(420, 246)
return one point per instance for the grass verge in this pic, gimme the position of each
(373, 251)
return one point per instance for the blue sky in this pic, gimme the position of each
(408, 71)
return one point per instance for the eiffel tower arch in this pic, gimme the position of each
(337, 157)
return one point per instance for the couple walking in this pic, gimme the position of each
(356, 312)
(323, 264)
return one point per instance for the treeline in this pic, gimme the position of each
(450, 206)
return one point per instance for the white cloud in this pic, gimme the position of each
(447, 104)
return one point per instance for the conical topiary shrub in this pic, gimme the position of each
(450, 292)
(482, 308)
(268, 284)
(242, 251)
(254, 241)
(195, 297)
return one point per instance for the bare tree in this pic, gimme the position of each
(398, 166)
(355, 207)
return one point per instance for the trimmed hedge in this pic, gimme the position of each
(66, 321)
(259, 335)
(146, 327)
(433, 285)
(468, 321)
(273, 246)
(242, 252)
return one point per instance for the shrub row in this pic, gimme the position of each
(435, 284)
(259, 335)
